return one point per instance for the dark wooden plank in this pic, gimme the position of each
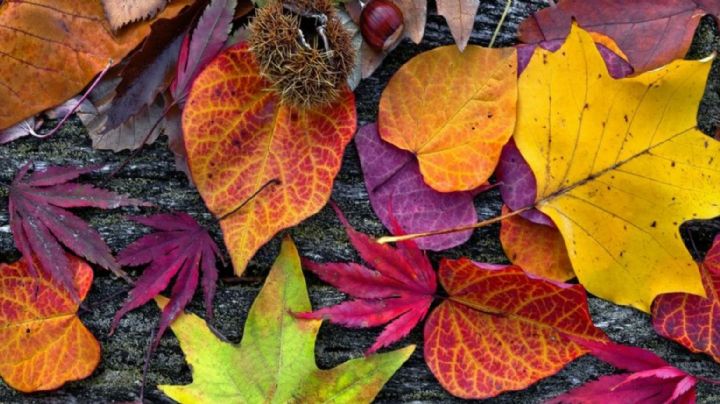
(152, 177)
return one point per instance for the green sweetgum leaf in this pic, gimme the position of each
(275, 361)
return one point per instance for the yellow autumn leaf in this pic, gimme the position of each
(620, 165)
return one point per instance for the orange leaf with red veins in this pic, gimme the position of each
(51, 49)
(692, 320)
(501, 329)
(43, 344)
(454, 111)
(536, 248)
(239, 137)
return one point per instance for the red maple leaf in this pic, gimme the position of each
(41, 224)
(181, 248)
(652, 379)
(398, 292)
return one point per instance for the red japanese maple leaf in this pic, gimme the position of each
(41, 224)
(398, 291)
(652, 379)
(181, 248)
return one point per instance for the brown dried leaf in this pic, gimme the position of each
(460, 16)
(122, 12)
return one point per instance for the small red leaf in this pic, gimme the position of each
(398, 291)
(180, 248)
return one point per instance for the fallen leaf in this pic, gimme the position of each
(652, 33)
(81, 45)
(414, 15)
(239, 138)
(536, 248)
(501, 329)
(43, 344)
(122, 12)
(515, 178)
(652, 380)
(398, 292)
(460, 16)
(517, 184)
(150, 69)
(207, 40)
(275, 361)
(180, 249)
(393, 179)
(454, 111)
(131, 134)
(619, 166)
(40, 223)
(692, 320)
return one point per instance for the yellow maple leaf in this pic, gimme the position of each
(620, 165)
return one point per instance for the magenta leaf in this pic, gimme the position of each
(517, 184)
(397, 292)
(393, 179)
(41, 225)
(180, 248)
(208, 39)
(652, 379)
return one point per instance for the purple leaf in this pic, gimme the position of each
(180, 247)
(182, 293)
(150, 69)
(517, 184)
(56, 175)
(208, 39)
(393, 179)
(652, 380)
(41, 225)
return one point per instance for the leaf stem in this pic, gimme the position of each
(273, 181)
(506, 11)
(77, 105)
(487, 222)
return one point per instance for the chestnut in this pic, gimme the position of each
(381, 24)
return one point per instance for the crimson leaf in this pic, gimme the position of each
(40, 223)
(652, 379)
(181, 248)
(398, 292)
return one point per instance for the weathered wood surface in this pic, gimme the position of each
(152, 177)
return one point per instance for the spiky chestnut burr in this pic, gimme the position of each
(303, 50)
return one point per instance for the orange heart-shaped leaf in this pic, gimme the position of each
(501, 329)
(240, 137)
(43, 344)
(454, 111)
